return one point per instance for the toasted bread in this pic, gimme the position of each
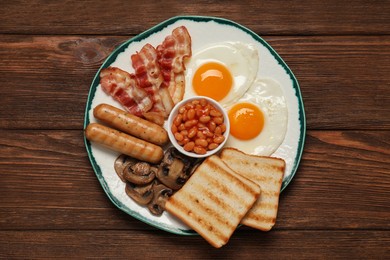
(267, 172)
(213, 201)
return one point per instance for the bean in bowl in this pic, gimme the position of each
(199, 126)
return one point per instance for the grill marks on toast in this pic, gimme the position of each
(224, 191)
(195, 218)
(213, 201)
(268, 173)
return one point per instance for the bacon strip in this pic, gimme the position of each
(171, 54)
(122, 86)
(158, 81)
(147, 70)
(149, 77)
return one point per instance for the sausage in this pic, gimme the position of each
(131, 124)
(124, 143)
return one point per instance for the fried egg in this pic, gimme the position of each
(258, 120)
(222, 71)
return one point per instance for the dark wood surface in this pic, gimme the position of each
(52, 205)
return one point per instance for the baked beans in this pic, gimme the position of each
(198, 126)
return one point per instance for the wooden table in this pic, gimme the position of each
(51, 203)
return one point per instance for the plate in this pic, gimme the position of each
(203, 31)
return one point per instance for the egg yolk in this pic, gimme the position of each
(212, 80)
(246, 121)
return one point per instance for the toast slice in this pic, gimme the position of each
(213, 201)
(267, 172)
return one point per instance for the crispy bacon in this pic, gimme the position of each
(149, 77)
(147, 70)
(171, 54)
(158, 81)
(122, 86)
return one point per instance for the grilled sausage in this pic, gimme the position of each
(124, 143)
(131, 124)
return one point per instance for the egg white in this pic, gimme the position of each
(267, 95)
(242, 60)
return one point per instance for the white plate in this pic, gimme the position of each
(203, 31)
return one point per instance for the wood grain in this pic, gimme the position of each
(342, 79)
(50, 181)
(161, 245)
(132, 17)
(53, 206)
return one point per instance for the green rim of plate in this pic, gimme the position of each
(111, 58)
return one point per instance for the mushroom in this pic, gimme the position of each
(161, 194)
(121, 163)
(140, 173)
(173, 170)
(140, 194)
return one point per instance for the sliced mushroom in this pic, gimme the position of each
(161, 193)
(174, 169)
(140, 173)
(121, 163)
(188, 161)
(169, 174)
(140, 194)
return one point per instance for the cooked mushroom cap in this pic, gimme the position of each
(121, 163)
(141, 182)
(174, 169)
(160, 195)
(140, 173)
(140, 194)
(169, 174)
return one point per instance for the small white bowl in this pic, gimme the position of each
(175, 111)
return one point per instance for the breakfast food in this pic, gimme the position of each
(227, 72)
(149, 78)
(172, 53)
(258, 120)
(211, 196)
(223, 71)
(123, 87)
(268, 173)
(158, 79)
(124, 143)
(175, 168)
(198, 126)
(213, 201)
(150, 184)
(131, 124)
